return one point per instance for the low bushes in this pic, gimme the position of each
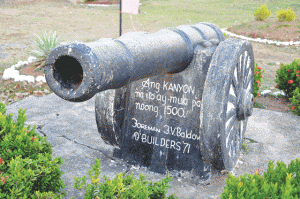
(280, 182)
(122, 186)
(295, 100)
(288, 77)
(26, 166)
(262, 13)
(285, 15)
(288, 80)
(27, 169)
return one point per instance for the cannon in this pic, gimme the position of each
(176, 101)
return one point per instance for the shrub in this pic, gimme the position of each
(279, 183)
(26, 166)
(295, 100)
(119, 187)
(258, 75)
(288, 77)
(27, 169)
(285, 15)
(262, 13)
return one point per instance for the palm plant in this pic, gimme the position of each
(45, 45)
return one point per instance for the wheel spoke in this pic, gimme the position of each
(232, 147)
(249, 76)
(241, 74)
(245, 71)
(245, 60)
(230, 139)
(235, 82)
(230, 113)
(229, 123)
(247, 67)
(249, 83)
(246, 78)
(232, 99)
(243, 128)
(238, 135)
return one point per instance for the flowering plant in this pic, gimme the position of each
(288, 77)
(26, 164)
(258, 75)
(295, 100)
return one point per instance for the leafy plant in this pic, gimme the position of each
(28, 171)
(295, 100)
(258, 75)
(244, 147)
(258, 105)
(121, 186)
(288, 77)
(271, 63)
(26, 166)
(262, 13)
(280, 182)
(285, 15)
(45, 45)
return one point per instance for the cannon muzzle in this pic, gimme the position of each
(77, 71)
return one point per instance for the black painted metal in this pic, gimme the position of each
(164, 95)
(77, 71)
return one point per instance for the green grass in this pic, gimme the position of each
(271, 63)
(223, 13)
(258, 105)
(244, 146)
(103, 22)
(243, 25)
(283, 25)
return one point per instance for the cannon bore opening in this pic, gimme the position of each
(68, 72)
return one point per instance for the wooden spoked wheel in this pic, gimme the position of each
(227, 103)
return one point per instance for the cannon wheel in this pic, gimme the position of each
(109, 111)
(227, 103)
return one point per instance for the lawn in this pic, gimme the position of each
(72, 22)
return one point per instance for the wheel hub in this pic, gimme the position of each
(245, 105)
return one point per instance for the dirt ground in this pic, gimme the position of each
(271, 29)
(269, 58)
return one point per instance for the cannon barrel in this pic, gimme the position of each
(77, 71)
